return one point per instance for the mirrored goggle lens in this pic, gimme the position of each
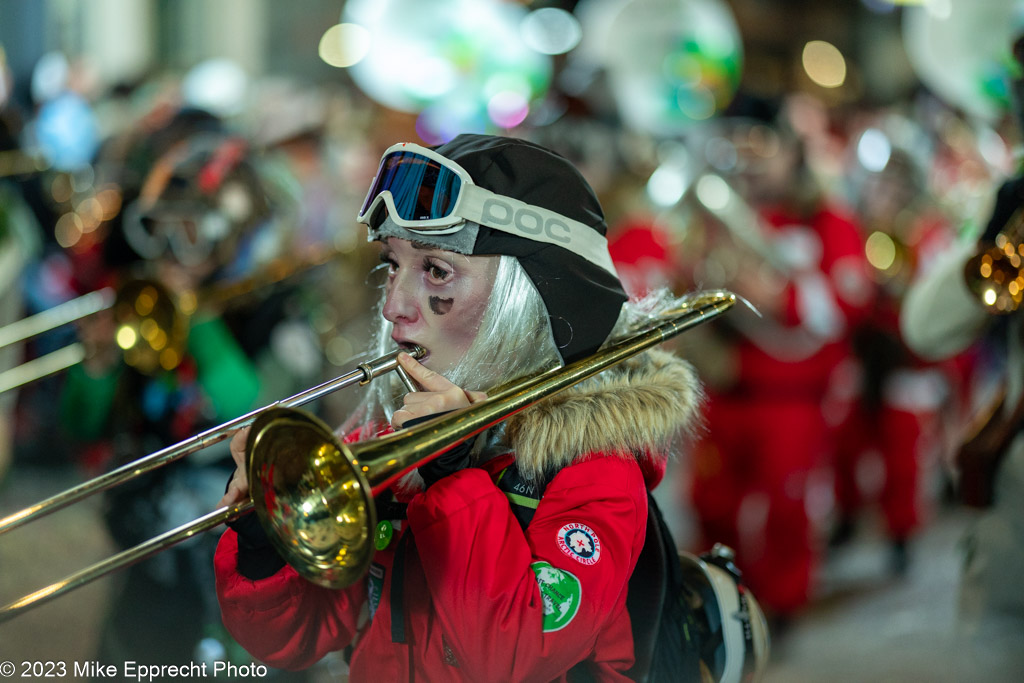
(421, 188)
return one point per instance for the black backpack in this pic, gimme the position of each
(667, 636)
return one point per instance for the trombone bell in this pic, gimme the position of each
(314, 498)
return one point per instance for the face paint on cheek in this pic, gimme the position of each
(441, 306)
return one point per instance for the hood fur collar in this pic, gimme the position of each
(636, 408)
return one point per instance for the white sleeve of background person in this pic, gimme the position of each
(940, 316)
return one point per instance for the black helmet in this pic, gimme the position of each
(197, 201)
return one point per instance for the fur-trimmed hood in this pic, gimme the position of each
(636, 408)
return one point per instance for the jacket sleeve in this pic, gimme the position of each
(940, 317)
(284, 620)
(519, 606)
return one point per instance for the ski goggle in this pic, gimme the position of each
(190, 233)
(426, 193)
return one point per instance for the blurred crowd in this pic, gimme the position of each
(234, 275)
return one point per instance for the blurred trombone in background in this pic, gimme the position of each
(151, 321)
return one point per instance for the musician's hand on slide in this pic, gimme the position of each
(97, 334)
(438, 395)
(238, 488)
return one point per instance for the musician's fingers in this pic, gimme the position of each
(424, 376)
(238, 490)
(238, 447)
(433, 397)
(476, 396)
(435, 403)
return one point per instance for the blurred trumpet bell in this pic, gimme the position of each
(995, 275)
(892, 259)
(152, 325)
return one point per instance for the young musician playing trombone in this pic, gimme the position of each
(507, 558)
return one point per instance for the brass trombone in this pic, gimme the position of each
(17, 163)
(314, 494)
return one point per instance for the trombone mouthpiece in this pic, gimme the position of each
(372, 369)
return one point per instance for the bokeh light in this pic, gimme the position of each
(219, 86)
(67, 132)
(551, 31)
(508, 109)
(671, 63)
(880, 251)
(713, 192)
(873, 150)
(49, 77)
(126, 337)
(344, 45)
(667, 185)
(68, 230)
(457, 63)
(824, 64)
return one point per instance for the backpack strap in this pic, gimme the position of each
(645, 600)
(523, 495)
(665, 637)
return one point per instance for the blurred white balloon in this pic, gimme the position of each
(469, 55)
(220, 86)
(669, 63)
(960, 49)
(551, 31)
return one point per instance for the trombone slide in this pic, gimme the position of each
(361, 375)
(313, 494)
(37, 368)
(55, 317)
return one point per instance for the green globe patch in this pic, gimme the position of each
(561, 592)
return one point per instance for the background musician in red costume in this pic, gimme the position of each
(766, 431)
(888, 402)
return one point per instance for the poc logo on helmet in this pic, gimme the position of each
(526, 220)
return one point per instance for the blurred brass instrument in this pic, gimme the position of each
(733, 241)
(314, 494)
(892, 260)
(151, 324)
(995, 274)
(151, 321)
(17, 163)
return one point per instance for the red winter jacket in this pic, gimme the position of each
(485, 600)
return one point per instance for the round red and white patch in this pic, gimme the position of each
(579, 542)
